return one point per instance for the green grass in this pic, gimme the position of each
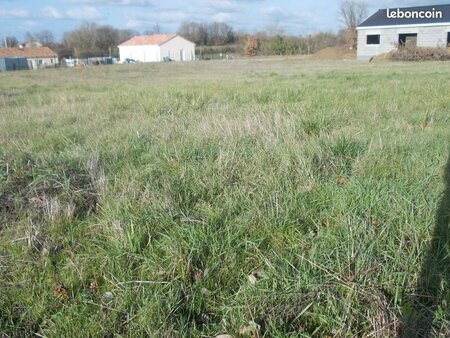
(283, 196)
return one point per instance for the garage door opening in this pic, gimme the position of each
(182, 55)
(409, 39)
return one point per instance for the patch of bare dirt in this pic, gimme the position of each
(335, 53)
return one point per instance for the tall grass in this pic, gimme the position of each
(275, 197)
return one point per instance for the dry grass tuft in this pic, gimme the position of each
(96, 173)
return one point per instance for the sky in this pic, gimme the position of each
(296, 17)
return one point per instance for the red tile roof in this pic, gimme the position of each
(144, 40)
(38, 52)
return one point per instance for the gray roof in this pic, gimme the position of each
(380, 17)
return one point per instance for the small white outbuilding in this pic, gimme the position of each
(157, 48)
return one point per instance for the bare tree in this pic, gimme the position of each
(82, 41)
(91, 39)
(10, 41)
(156, 29)
(220, 33)
(194, 31)
(274, 29)
(45, 37)
(187, 29)
(29, 37)
(126, 34)
(352, 13)
(62, 50)
(107, 39)
(211, 34)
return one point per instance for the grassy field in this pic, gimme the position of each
(255, 198)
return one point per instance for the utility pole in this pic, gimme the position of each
(6, 41)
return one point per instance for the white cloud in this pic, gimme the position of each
(113, 2)
(51, 13)
(79, 13)
(220, 5)
(168, 19)
(275, 13)
(222, 17)
(31, 24)
(84, 13)
(13, 14)
(133, 24)
(279, 19)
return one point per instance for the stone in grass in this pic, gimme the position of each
(341, 180)
(252, 330)
(107, 298)
(251, 279)
(106, 301)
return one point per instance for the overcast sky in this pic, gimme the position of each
(293, 16)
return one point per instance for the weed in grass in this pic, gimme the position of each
(337, 156)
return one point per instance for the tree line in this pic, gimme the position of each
(88, 40)
(91, 39)
(208, 34)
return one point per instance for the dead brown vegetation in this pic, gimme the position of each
(414, 53)
(52, 190)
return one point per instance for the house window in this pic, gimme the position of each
(40, 62)
(409, 39)
(373, 39)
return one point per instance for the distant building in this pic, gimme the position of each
(14, 63)
(423, 26)
(39, 57)
(33, 44)
(156, 48)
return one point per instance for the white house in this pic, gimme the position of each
(157, 47)
(423, 26)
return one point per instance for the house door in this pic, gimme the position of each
(182, 55)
